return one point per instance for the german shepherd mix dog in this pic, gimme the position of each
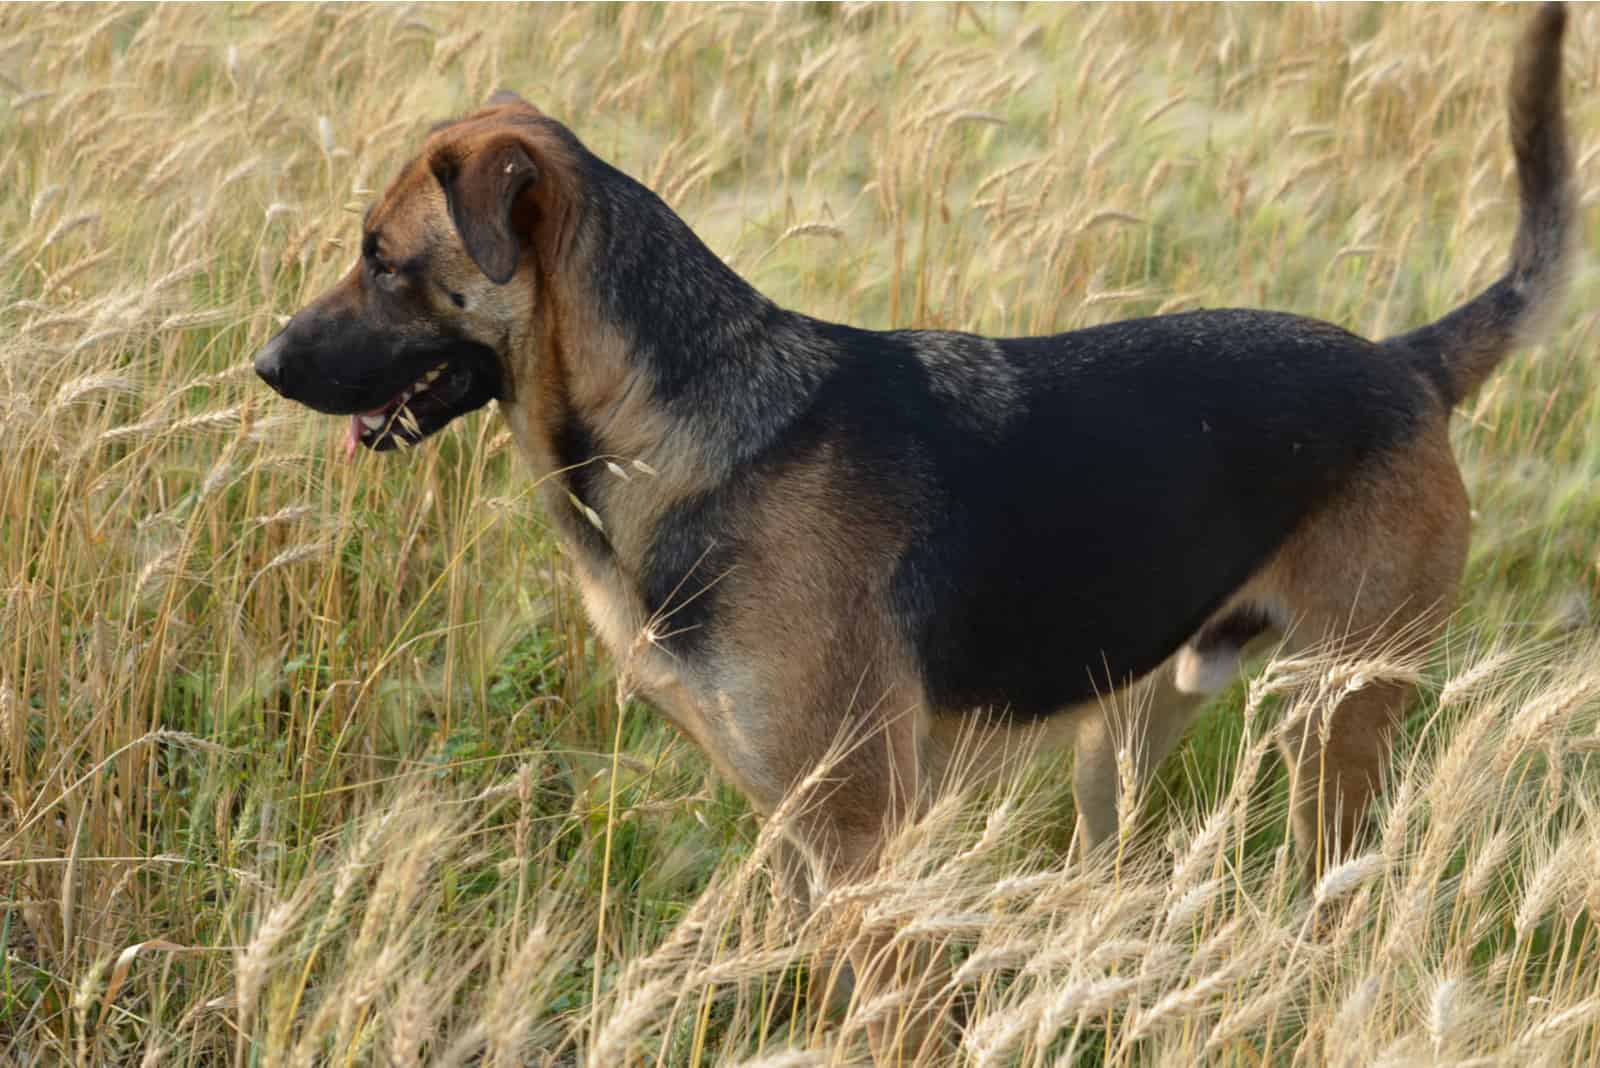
(829, 532)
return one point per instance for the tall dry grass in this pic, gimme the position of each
(305, 762)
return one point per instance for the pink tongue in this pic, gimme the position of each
(352, 436)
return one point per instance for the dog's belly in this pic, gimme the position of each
(1032, 613)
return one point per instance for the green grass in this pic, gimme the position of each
(305, 761)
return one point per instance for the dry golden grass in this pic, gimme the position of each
(312, 762)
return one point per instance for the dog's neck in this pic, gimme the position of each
(720, 359)
(657, 372)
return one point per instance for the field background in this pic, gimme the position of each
(313, 762)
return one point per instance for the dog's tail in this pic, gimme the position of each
(1459, 351)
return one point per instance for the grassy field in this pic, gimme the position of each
(305, 761)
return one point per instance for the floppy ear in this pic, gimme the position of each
(481, 191)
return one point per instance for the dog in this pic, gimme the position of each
(788, 531)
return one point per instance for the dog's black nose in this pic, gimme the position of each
(269, 363)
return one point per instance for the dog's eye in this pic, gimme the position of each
(384, 274)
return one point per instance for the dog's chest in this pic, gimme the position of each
(615, 608)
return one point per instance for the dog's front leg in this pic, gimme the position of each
(842, 819)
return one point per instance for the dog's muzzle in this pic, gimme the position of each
(407, 396)
(269, 363)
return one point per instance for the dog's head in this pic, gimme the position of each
(425, 327)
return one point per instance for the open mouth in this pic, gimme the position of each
(448, 389)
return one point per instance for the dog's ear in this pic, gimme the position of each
(505, 98)
(482, 188)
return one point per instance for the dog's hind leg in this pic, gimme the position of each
(1336, 769)
(1373, 578)
(1129, 735)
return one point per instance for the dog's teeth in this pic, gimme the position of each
(372, 422)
